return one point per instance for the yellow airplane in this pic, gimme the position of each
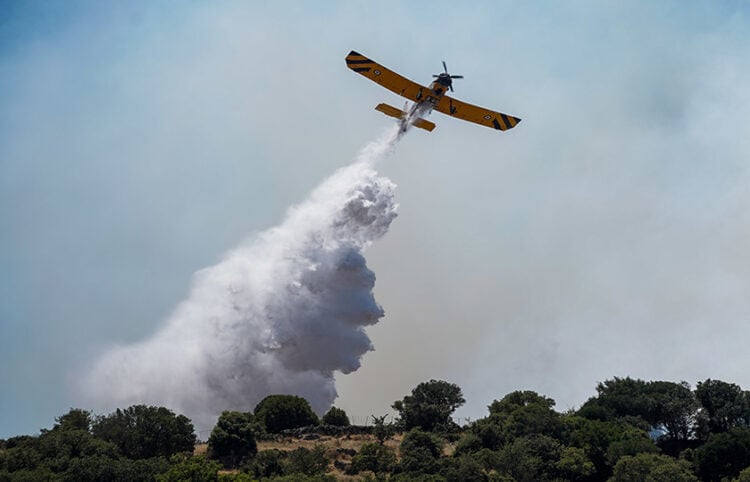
(426, 98)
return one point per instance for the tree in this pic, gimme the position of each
(531, 458)
(189, 467)
(652, 468)
(574, 465)
(672, 407)
(75, 419)
(233, 438)
(381, 429)
(374, 457)
(744, 476)
(282, 412)
(724, 406)
(420, 452)
(604, 442)
(337, 417)
(142, 431)
(266, 464)
(724, 455)
(518, 414)
(430, 405)
(306, 461)
(461, 469)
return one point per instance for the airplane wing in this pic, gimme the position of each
(476, 114)
(385, 77)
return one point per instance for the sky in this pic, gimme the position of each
(604, 236)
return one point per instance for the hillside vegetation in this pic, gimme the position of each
(631, 430)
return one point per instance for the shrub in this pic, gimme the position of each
(233, 438)
(375, 458)
(337, 417)
(282, 412)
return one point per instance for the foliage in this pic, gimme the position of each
(462, 469)
(335, 416)
(189, 467)
(281, 412)
(381, 429)
(518, 414)
(75, 419)
(468, 443)
(530, 458)
(574, 465)
(604, 442)
(374, 457)
(267, 463)
(233, 438)
(306, 461)
(649, 467)
(724, 406)
(664, 405)
(420, 451)
(429, 406)
(142, 431)
(744, 476)
(723, 455)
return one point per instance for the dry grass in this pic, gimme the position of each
(331, 446)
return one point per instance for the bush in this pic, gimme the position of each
(282, 412)
(420, 452)
(267, 463)
(652, 467)
(374, 457)
(724, 455)
(189, 467)
(430, 405)
(306, 462)
(337, 417)
(233, 438)
(142, 432)
(462, 469)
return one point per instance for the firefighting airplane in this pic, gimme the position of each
(426, 98)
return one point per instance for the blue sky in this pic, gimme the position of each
(605, 236)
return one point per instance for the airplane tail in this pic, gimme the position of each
(391, 111)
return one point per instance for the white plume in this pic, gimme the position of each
(280, 314)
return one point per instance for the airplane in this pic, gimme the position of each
(426, 98)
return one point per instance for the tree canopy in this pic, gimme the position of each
(281, 412)
(430, 405)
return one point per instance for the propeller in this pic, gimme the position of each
(448, 76)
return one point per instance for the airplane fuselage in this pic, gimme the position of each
(427, 99)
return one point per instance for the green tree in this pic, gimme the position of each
(667, 406)
(531, 458)
(744, 476)
(381, 429)
(652, 468)
(142, 431)
(193, 468)
(724, 406)
(374, 457)
(306, 461)
(724, 455)
(461, 469)
(233, 438)
(429, 406)
(267, 463)
(281, 412)
(420, 452)
(574, 464)
(75, 419)
(336, 417)
(604, 442)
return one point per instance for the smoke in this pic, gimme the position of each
(279, 314)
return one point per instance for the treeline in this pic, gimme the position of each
(631, 430)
